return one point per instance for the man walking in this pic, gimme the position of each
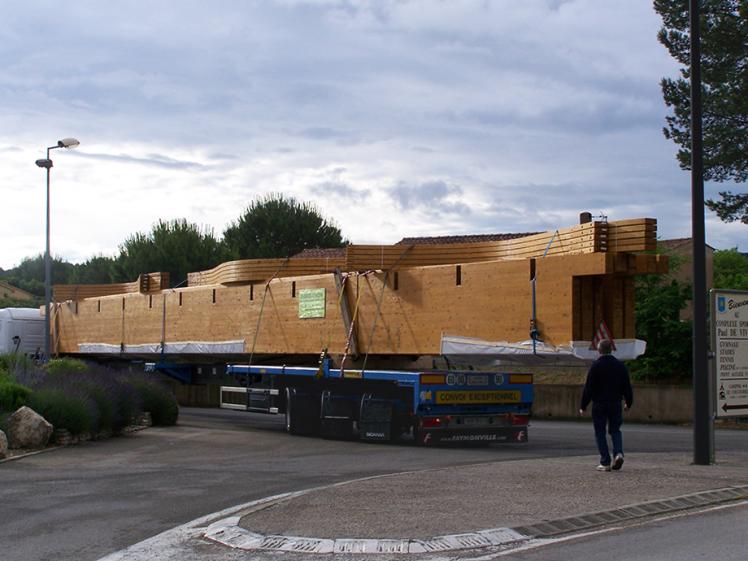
(607, 384)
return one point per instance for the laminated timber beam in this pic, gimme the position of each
(255, 270)
(146, 284)
(585, 238)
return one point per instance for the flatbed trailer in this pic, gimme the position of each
(384, 405)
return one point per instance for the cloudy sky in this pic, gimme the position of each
(396, 118)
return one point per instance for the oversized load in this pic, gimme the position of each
(554, 289)
(540, 296)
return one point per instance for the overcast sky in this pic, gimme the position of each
(396, 118)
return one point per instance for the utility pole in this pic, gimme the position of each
(703, 433)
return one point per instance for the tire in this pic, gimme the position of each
(302, 413)
(290, 420)
(419, 437)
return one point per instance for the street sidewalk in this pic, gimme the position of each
(479, 505)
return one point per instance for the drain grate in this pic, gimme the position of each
(466, 541)
(355, 546)
(393, 546)
(436, 544)
(310, 545)
(274, 542)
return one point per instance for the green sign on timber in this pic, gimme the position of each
(311, 303)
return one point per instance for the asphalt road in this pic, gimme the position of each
(715, 535)
(82, 502)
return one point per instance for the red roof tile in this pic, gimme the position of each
(469, 238)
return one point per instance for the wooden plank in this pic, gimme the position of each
(146, 283)
(248, 270)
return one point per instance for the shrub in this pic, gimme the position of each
(12, 395)
(64, 411)
(65, 365)
(15, 366)
(158, 401)
(126, 405)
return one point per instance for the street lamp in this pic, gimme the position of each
(47, 164)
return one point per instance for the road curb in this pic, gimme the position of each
(227, 531)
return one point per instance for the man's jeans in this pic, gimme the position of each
(607, 414)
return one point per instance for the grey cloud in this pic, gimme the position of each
(323, 133)
(341, 190)
(150, 160)
(431, 195)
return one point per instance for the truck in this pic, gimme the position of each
(21, 331)
(430, 406)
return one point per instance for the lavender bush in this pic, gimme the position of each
(81, 397)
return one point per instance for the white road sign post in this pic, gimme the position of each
(730, 345)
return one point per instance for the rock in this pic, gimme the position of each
(62, 437)
(3, 445)
(145, 420)
(28, 429)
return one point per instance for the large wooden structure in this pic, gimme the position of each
(378, 300)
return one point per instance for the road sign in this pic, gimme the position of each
(730, 345)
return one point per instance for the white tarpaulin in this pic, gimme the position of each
(182, 347)
(478, 351)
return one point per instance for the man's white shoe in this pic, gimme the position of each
(617, 462)
(601, 467)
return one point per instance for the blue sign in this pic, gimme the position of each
(721, 304)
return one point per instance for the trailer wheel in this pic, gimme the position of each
(302, 413)
(420, 437)
(290, 425)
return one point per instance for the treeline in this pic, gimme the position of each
(272, 226)
(659, 301)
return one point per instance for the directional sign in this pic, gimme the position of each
(730, 340)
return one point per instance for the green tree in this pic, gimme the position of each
(275, 226)
(658, 304)
(659, 301)
(176, 246)
(29, 275)
(13, 303)
(730, 269)
(724, 67)
(96, 270)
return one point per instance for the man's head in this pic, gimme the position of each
(604, 347)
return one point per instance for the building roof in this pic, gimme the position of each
(678, 242)
(468, 238)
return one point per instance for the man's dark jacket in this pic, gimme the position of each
(607, 381)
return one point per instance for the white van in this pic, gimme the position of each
(21, 329)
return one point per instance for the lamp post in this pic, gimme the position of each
(47, 164)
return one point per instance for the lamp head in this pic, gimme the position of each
(68, 143)
(44, 163)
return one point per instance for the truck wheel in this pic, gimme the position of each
(421, 438)
(302, 413)
(290, 405)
